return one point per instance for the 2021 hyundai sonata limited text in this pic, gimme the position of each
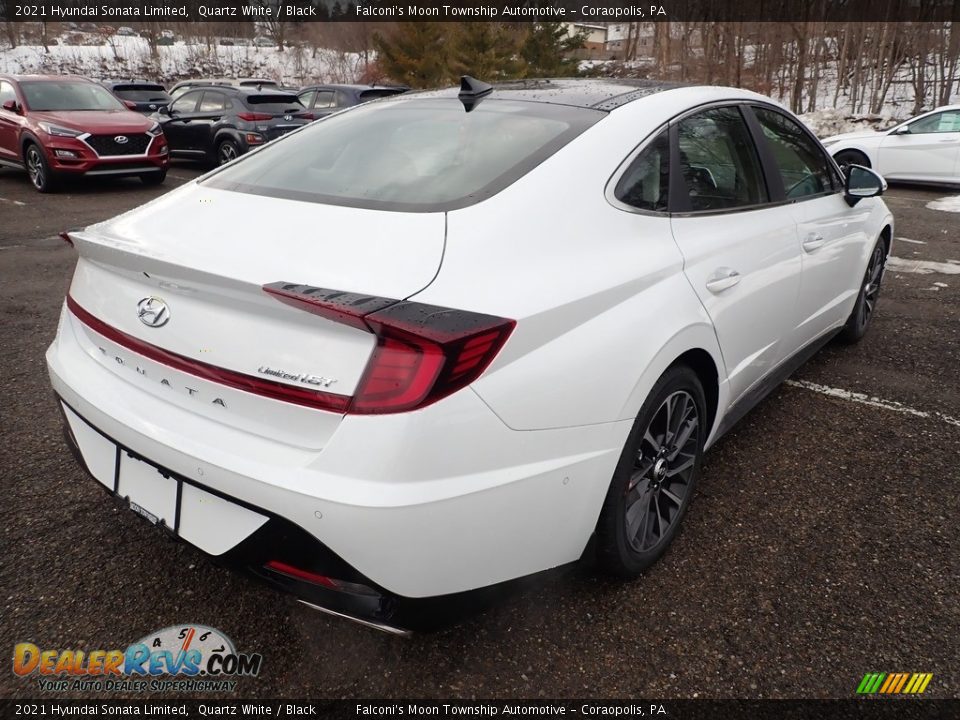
(439, 342)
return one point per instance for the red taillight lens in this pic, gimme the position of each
(306, 116)
(253, 116)
(318, 579)
(423, 353)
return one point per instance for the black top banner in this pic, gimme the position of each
(590, 709)
(575, 11)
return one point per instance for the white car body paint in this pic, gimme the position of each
(930, 157)
(500, 479)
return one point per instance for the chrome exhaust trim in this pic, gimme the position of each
(389, 629)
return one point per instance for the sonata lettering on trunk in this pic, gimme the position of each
(142, 371)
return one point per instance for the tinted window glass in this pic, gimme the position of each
(306, 99)
(719, 162)
(644, 185)
(948, 121)
(54, 96)
(804, 167)
(422, 155)
(142, 93)
(368, 95)
(274, 103)
(6, 92)
(212, 102)
(324, 99)
(186, 104)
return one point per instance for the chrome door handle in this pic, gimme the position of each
(722, 279)
(814, 241)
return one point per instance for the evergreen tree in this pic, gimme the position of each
(416, 54)
(545, 47)
(486, 51)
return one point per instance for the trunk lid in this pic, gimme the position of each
(206, 254)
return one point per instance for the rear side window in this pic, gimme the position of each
(719, 162)
(417, 156)
(804, 167)
(212, 102)
(645, 183)
(324, 99)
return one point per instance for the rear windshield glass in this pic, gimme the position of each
(52, 95)
(368, 95)
(417, 156)
(141, 93)
(274, 103)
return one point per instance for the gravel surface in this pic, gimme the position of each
(822, 544)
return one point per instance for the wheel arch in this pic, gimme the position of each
(695, 346)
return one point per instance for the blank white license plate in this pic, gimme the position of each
(150, 494)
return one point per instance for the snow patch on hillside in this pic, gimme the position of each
(129, 57)
(825, 123)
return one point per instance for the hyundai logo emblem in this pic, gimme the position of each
(288, 117)
(153, 312)
(121, 139)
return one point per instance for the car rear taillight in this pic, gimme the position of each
(423, 352)
(306, 116)
(254, 116)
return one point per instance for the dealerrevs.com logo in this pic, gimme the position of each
(180, 658)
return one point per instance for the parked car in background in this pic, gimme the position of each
(184, 85)
(322, 100)
(140, 95)
(924, 149)
(441, 342)
(218, 123)
(125, 31)
(263, 42)
(60, 126)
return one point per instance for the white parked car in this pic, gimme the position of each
(439, 342)
(923, 149)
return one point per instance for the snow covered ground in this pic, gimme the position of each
(129, 57)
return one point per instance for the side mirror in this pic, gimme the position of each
(862, 183)
(11, 106)
(165, 110)
(902, 130)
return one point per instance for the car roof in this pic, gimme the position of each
(45, 78)
(596, 93)
(132, 82)
(353, 86)
(244, 89)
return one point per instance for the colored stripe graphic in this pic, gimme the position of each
(894, 683)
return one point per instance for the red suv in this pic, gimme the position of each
(59, 126)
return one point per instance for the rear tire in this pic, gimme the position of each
(227, 150)
(656, 476)
(858, 322)
(852, 157)
(155, 178)
(41, 177)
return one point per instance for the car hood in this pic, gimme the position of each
(858, 135)
(96, 121)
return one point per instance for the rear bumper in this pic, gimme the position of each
(416, 505)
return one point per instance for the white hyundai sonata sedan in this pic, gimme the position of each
(924, 149)
(440, 342)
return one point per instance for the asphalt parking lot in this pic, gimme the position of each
(823, 543)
